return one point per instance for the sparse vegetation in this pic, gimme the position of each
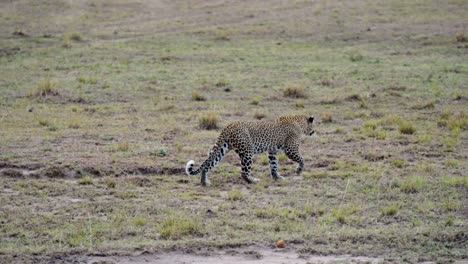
(178, 226)
(414, 184)
(95, 129)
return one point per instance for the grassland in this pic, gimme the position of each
(102, 103)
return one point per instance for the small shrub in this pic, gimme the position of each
(294, 91)
(209, 121)
(85, 181)
(327, 117)
(407, 128)
(235, 195)
(198, 97)
(413, 184)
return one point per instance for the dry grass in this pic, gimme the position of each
(209, 121)
(46, 87)
(295, 91)
(327, 117)
(198, 97)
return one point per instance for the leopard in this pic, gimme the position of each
(248, 138)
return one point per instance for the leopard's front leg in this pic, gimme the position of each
(292, 152)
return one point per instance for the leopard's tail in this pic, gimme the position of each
(219, 150)
(189, 168)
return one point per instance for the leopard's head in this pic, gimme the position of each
(309, 130)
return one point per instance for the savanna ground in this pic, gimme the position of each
(102, 104)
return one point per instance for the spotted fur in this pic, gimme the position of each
(249, 138)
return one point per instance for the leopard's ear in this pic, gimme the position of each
(311, 119)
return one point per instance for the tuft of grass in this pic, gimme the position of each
(424, 105)
(75, 36)
(208, 121)
(327, 117)
(223, 83)
(295, 91)
(222, 35)
(453, 163)
(109, 182)
(300, 104)
(460, 37)
(235, 195)
(176, 227)
(255, 101)
(45, 88)
(198, 97)
(139, 221)
(455, 181)
(413, 184)
(86, 181)
(390, 210)
(259, 115)
(87, 80)
(398, 163)
(162, 152)
(122, 146)
(406, 128)
(452, 205)
(43, 122)
(74, 123)
(355, 56)
(453, 121)
(68, 38)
